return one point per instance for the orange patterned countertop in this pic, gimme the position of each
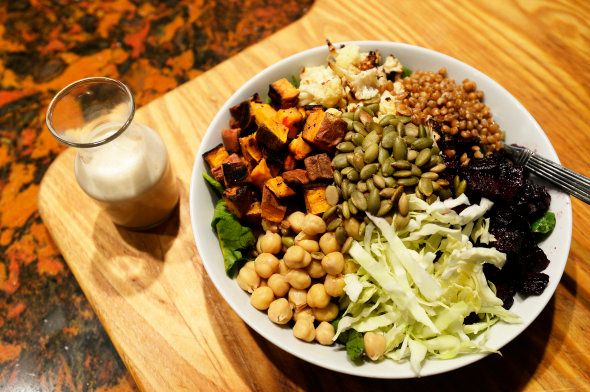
(50, 338)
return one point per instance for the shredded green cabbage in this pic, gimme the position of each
(419, 301)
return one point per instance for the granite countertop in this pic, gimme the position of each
(49, 336)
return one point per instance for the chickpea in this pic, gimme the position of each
(298, 298)
(313, 224)
(309, 245)
(350, 267)
(283, 269)
(298, 279)
(269, 226)
(270, 243)
(324, 333)
(328, 313)
(248, 279)
(334, 285)
(296, 221)
(266, 264)
(374, 345)
(279, 311)
(249, 264)
(302, 236)
(315, 270)
(328, 243)
(303, 312)
(317, 296)
(297, 257)
(304, 330)
(261, 298)
(333, 263)
(278, 284)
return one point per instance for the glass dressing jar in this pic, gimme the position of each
(121, 164)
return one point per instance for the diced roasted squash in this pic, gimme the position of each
(319, 168)
(235, 171)
(289, 163)
(260, 174)
(297, 177)
(324, 130)
(250, 150)
(271, 209)
(278, 186)
(270, 134)
(215, 156)
(230, 140)
(239, 199)
(254, 214)
(242, 117)
(299, 148)
(315, 200)
(292, 119)
(283, 94)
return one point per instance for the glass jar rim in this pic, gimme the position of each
(64, 91)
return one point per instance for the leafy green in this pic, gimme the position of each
(267, 100)
(545, 224)
(406, 71)
(216, 185)
(295, 80)
(234, 238)
(355, 345)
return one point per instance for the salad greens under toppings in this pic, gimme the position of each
(545, 224)
(417, 286)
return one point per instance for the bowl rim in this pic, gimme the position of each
(260, 76)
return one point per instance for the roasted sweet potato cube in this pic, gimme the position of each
(292, 119)
(271, 209)
(217, 173)
(260, 174)
(324, 130)
(299, 148)
(242, 117)
(315, 200)
(297, 177)
(278, 186)
(254, 214)
(270, 134)
(230, 140)
(250, 150)
(215, 156)
(289, 163)
(239, 199)
(283, 94)
(319, 168)
(235, 171)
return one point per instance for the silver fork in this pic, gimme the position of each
(565, 179)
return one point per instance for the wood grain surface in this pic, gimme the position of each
(150, 290)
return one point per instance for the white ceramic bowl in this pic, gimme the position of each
(520, 128)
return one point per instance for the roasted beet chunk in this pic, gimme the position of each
(535, 259)
(533, 284)
(319, 168)
(494, 179)
(533, 201)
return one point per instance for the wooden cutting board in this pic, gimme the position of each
(167, 321)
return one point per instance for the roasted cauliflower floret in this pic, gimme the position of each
(321, 86)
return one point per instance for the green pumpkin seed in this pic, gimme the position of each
(356, 114)
(430, 175)
(348, 136)
(423, 157)
(404, 119)
(409, 139)
(345, 210)
(357, 139)
(384, 207)
(416, 170)
(399, 191)
(361, 186)
(444, 193)
(383, 155)
(334, 224)
(410, 181)
(435, 160)
(387, 168)
(347, 170)
(374, 107)
(387, 192)
(359, 150)
(390, 181)
(373, 126)
(345, 146)
(347, 244)
(389, 129)
(365, 117)
(456, 182)
(373, 201)
(425, 186)
(422, 131)
(358, 161)
(387, 120)
(412, 155)
(369, 170)
(422, 143)
(370, 185)
(359, 200)
(358, 126)
(339, 161)
(438, 168)
(402, 174)
(411, 130)
(435, 186)
(371, 138)
(442, 182)
(332, 196)
(288, 242)
(353, 209)
(329, 212)
(388, 139)
(399, 128)
(403, 205)
(350, 188)
(419, 194)
(344, 189)
(401, 221)
(402, 165)
(400, 150)
(459, 190)
(340, 234)
(337, 177)
(435, 150)
(371, 153)
(379, 181)
(431, 199)
(348, 115)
